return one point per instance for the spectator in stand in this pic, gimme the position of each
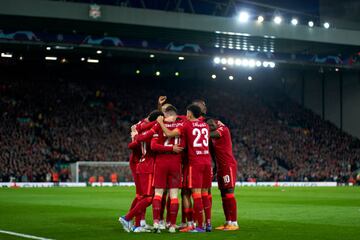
(45, 125)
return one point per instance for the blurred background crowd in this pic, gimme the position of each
(47, 124)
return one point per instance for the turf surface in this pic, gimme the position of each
(264, 213)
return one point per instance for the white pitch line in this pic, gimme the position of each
(24, 235)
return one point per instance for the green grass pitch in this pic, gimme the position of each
(263, 213)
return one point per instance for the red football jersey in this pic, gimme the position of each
(223, 148)
(196, 134)
(146, 162)
(163, 145)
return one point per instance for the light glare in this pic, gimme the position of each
(277, 19)
(244, 17)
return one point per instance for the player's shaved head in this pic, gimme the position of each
(163, 107)
(200, 103)
(171, 108)
(194, 110)
(170, 111)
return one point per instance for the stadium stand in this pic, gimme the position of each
(45, 125)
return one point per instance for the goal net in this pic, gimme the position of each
(101, 171)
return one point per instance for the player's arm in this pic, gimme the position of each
(168, 133)
(161, 101)
(146, 135)
(145, 126)
(157, 147)
(218, 133)
(134, 144)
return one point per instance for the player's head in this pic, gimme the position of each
(154, 114)
(163, 107)
(212, 124)
(170, 111)
(193, 112)
(200, 103)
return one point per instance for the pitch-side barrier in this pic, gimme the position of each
(214, 184)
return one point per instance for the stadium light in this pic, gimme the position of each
(245, 62)
(48, 48)
(49, 58)
(244, 17)
(224, 61)
(265, 64)
(250, 78)
(252, 63)
(152, 55)
(137, 71)
(91, 60)
(177, 74)
(6, 55)
(21, 58)
(238, 62)
(181, 58)
(157, 73)
(277, 19)
(99, 52)
(260, 19)
(326, 25)
(231, 78)
(217, 60)
(230, 61)
(213, 76)
(82, 59)
(258, 63)
(311, 24)
(294, 21)
(272, 64)
(224, 68)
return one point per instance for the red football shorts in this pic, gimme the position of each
(199, 176)
(167, 175)
(226, 177)
(144, 181)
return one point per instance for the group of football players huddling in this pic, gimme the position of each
(172, 152)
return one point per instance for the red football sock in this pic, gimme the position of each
(138, 219)
(139, 208)
(168, 203)
(174, 208)
(156, 206)
(210, 199)
(143, 214)
(207, 207)
(162, 209)
(231, 202)
(198, 209)
(226, 209)
(188, 213)
(133, 204)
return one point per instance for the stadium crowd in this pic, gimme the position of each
(45, 125)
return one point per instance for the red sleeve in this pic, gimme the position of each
(133, 145)
(145, 136)
(155, 146)
(145, 126)
(221, 130)
(181, 129)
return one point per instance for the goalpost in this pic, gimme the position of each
(82, 171)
